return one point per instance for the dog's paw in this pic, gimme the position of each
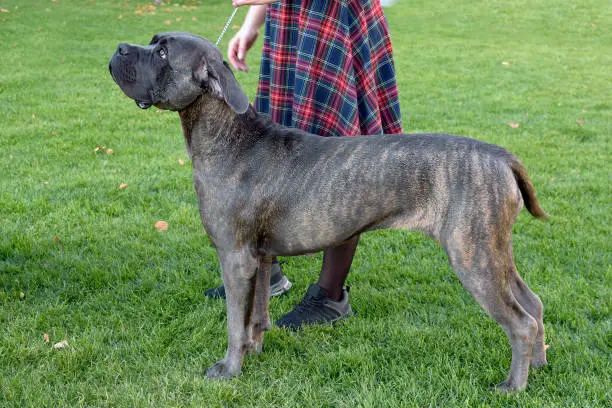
(538, 363)
(221, 370)
(508, 388)
(539, 356)
(255, 347)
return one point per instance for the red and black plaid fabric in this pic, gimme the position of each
(327, 68)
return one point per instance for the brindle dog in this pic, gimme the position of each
(265, 190)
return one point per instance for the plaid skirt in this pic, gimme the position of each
(327, 68)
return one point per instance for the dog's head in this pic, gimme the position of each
(173, 70)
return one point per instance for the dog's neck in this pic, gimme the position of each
(206, 121)
(209, 123)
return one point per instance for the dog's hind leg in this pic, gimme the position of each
(482, 269)
(533, 305)
(239, 269)
(260, 316)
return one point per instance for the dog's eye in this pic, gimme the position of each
(162, 53)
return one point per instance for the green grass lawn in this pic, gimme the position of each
(81, 260)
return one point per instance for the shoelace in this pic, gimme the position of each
(314, 307)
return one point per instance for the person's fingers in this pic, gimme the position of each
(232, 53)
(236, 53)
(242, 50)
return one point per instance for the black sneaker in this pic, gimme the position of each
(279, 284)
(316, 308)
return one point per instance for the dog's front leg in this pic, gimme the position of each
(238, 268)
(260, 318)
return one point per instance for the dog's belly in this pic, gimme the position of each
(315, 232)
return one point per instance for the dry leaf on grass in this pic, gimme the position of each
(104, 149)
(181, 162)
(46, 337)
(122, 186)
(161, 226)
(513, 125)
(580, 122)
(61, 345)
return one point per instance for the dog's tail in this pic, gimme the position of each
(527, 190)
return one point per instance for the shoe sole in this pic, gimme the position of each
(346, 315)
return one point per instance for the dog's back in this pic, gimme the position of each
(337, 187)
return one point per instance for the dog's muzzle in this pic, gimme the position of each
(123, 71)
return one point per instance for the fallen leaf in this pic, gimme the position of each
(505, 63)
(193, 19)
(580, 122)
(122, 186)
(110, 151)
(161, 226)
(60, 345)
(178, 19)
(3, 10)
(168, 22)
(181, 162)
(46, 337)
(120, 17)
(513, 125)
(546, 346)
(235, 27)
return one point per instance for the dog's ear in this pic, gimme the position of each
(221, 81)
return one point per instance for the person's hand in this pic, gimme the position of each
(238, 3)
(239, 45)
(242, 42)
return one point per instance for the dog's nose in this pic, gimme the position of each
(123, 49)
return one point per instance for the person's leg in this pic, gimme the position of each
(336, 265)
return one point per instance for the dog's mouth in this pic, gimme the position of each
(143, 104)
